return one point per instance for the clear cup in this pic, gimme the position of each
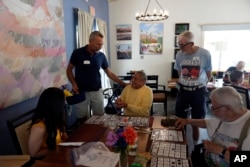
(112, 124)
(132, 149)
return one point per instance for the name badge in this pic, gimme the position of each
(86, 62)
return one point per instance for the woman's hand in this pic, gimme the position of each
(180, 123)
(64, 136)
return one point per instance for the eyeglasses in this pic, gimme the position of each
(183, 45)
(216, 108)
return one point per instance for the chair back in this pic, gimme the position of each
(244, 92)
(152, 82)
(125, 78)
(19, 130)
(220, 74)
(13, 160)
(159, 92)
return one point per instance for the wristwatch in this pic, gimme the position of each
(222, 154)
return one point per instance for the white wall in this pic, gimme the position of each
(194, 12)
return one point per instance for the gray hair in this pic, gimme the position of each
(142, 75)
(188, 35)
(94, 34)
(228, 96)
(240, 65)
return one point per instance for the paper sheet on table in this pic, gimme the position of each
(94, 154)
(71, 143)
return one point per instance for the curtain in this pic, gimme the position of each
(85, 24)
(103, 29)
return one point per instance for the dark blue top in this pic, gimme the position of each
(87, 75)
(230, 69)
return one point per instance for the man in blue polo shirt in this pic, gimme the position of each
(87, 62)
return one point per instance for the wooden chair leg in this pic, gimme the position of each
(165, 108)
(166, 104)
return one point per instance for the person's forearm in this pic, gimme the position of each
(71, 77)
(196, 122)
(43, 151)
(216, 149)
(139, 110)
(209, 75)
(116, 79)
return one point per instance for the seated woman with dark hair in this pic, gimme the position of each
(48, 123)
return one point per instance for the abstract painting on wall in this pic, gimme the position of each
(32, 49)
(151, 38)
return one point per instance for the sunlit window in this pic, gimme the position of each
(227, 45)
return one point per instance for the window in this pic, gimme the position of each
(227, 44)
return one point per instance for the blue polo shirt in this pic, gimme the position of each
(87, 67)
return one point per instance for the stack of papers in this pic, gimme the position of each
(94, 154)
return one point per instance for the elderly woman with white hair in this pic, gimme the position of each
(240, 66)
(225, 128)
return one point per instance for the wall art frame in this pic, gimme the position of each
(124, 51)
(124, 32)
(175, 52)
(151, 38)
(181, 27)
(176, 42)
(33, 54)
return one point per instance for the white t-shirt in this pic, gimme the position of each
(227, 135)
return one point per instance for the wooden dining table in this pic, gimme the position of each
(61, 156)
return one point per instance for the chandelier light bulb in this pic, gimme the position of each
(166, 13)
(161, 12)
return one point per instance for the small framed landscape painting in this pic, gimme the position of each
(175, 52)
(124, 32)
(124, 51)
(181, 27)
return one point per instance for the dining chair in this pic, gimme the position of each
(125, 78)
(13, 160)
(244, 92)
(159, 92)
(19, 130)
